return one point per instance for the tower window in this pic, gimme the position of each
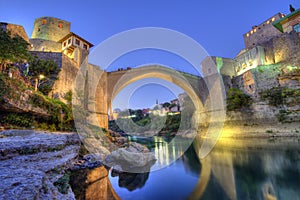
(85, 46)
(77, 42)
(60, 25)
(44, 22)
(69, 41)
(65, 44)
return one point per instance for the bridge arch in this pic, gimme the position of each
(154, 71)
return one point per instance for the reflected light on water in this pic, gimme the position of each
(264, 169)
(168, 152)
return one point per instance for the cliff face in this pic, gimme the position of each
(15, 96)
(22, 105)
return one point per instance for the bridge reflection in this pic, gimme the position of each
(253, 169)
(92, 184)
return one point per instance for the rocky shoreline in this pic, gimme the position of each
(37, 164)
(33, 164)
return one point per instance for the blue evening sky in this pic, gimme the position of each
(215, 24)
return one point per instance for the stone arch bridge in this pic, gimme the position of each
(101, 87)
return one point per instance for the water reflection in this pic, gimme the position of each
(255, 169)
(236, 169)
(92, 185)
(166, 149)
(131, 181)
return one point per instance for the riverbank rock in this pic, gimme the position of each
(32, 161)
(134, 158)
(88, 161)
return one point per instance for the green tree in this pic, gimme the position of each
(12, 49)
(43, 69)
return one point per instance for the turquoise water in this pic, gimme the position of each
(235, 169)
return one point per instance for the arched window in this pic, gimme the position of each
(250, 62)
(244, 66)
(44, 22)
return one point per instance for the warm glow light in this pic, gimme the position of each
(273, 19)
(41, 76)
(247, 34)
(252, 32)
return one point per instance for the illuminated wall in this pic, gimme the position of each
(249, 60)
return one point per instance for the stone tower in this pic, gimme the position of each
(50, 28)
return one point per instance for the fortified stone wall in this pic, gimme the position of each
(56, 57)
(96, 84)
(287, 49)
(256, 80)
(66, 78)
(45, 45)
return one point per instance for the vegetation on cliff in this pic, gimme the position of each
(237, 99)
(279, 96)
(21, 106)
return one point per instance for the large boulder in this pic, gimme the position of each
(135, 158)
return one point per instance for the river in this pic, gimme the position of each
(263, 169)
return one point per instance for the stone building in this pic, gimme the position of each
(75, 47)
(262, 32)
(14, 30)
(53, 35)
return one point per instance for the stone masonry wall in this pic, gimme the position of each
(56, 57)
(66, 78)
(45, 45)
